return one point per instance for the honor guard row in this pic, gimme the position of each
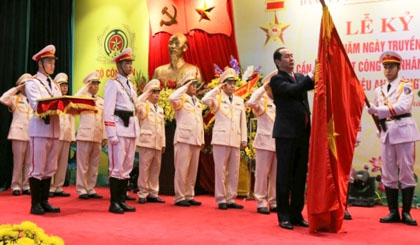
(124, 120)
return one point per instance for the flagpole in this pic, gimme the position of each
(375, 118)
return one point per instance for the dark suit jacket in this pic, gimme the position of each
(291, 100)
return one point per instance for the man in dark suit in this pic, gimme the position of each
(291, 132)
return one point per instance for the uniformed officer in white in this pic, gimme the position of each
(229, 135)
(67, 136)
(90, 139)
(15, 99)
(265, 148)
(44, 133)
(151, 142)
(121, 130)
(188, 139)
(393, 102)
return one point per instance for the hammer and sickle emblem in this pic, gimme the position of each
(172, 18)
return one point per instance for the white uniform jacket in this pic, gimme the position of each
(38, 88)
(265, 111)
(22, 112)
(230, 118)
(188, 116)
(397, 101)
(67, 132)
(119, 95)
(152, 124)
(91, 125)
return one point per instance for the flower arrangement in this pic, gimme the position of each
(26, 233)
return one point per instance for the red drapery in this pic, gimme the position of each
(204, 49)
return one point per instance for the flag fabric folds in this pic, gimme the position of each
(337, 109)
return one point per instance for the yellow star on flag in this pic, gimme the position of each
(204, 12)
(331, 137)
(274, 31)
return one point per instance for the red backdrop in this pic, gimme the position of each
(204, 49)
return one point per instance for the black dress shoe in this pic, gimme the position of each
(84, 196)
(183, 203)
(130, 198)
(223, 206)
(407, 219)
(16, 193)
(273, 210)
(48, 208)
(301, 222)
(155, 199)
(392, 217)
(61, 194)
(95, 196)
(347, 215)
(37, 209)
(286, 225)
(234, 206)
(127, 208)
(26, 192)
(263, 210)
(115, 208)
(194, 202)
(142, 200)
(50, 194)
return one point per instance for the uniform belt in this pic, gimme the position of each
(399, 116)
(124, 115)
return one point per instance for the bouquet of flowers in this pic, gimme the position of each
(26, 233)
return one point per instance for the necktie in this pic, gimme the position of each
(49, 82)
(155, 107)
(230, 99)
(193, 100)
(388, 87)
(293, 77)
(128, 84)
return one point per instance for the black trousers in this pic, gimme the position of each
(292, 167)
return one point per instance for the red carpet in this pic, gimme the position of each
(89, 222)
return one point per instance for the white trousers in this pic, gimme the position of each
(398, 157)
(226, 173)
(44, 157)
(21, 162)
(57, 181)
(265, 178)
(88, 154)
(149, 170)
(121, 157)
(186, 166)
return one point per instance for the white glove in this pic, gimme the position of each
(372, 110)
(114, 140)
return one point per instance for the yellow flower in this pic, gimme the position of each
(25, 241)
(55, 240)
(27, 225)
(169, 113)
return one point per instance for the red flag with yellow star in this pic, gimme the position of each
(337, 109)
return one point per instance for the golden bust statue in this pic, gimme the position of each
(177, 68)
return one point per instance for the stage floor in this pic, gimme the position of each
(89, 222)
